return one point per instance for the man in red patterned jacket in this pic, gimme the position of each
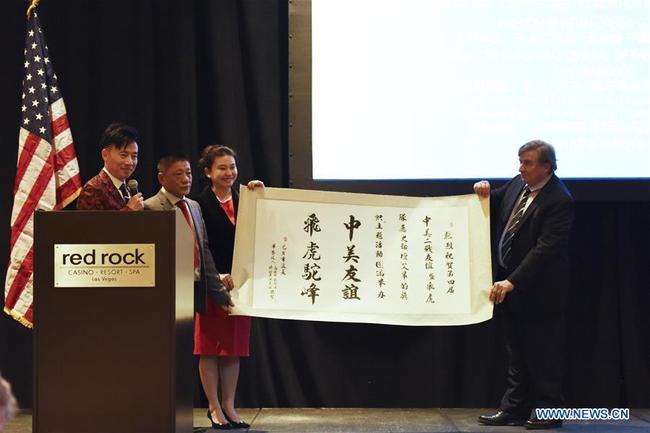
(108, 189)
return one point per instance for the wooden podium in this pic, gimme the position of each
(109, 358)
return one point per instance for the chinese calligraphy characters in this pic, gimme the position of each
(311, 267)
(351, 289)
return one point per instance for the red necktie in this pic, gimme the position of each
(182, 205)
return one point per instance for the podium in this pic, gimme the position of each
(113, 321)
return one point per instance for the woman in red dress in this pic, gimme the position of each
(219, 339)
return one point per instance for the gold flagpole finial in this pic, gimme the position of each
(32, 7)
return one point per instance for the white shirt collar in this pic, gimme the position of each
(540, 185)
(171, 197)
(117, 182)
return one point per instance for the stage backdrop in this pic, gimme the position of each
(192, 73)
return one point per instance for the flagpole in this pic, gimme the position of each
(32, 7)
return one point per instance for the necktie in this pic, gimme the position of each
(124, 192)
(513, 225)
(182, 205)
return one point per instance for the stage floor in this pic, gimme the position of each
(447, 420)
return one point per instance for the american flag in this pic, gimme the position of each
(47, 173)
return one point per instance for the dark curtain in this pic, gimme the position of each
(192, 73)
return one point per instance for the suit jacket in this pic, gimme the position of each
(209, 283)
(221, 231)
(99, 193)
(539, 261)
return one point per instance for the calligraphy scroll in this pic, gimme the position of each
(343, 257)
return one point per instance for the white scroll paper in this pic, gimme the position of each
(343, 257)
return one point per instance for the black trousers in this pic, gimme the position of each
(535, 346)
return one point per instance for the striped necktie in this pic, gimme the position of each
(124, 191)
(513, 225)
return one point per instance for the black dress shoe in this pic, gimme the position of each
(540, 424)
(501, 418)
(235, 424)
(218, 426)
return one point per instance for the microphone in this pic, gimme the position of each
(133, 187)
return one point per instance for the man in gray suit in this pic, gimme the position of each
(175, 176)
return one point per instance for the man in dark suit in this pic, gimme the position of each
(175, 176)
(108, 189)
(532, 216)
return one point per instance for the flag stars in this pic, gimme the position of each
(41, 130)
(53, 89)
(26, 64)
(40, 72)
(26, 121)
(34, 45)
(43, 86)
(37, 58)
(31, 33)
(28, 77)
(39, 116)
(35, 103)
(31, 90)
(23, 108)
(46, 59)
